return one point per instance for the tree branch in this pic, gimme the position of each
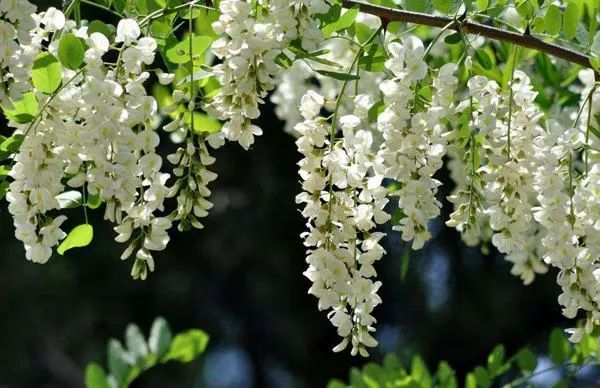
(520, 39)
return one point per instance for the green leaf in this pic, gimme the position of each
(336, 384)
(483, 59)
(79, 237)
(135, 341)
(202, 123)
(180, 52)
(376, 110)
(525, 10)
(558, 347)
(526, 360)
(284, 61)
(3, 189)
(101, 27)
(446, 376)
(553, 19)
(444, 6)
(345, 21)
(47, 73)
(12, 144)
(95, 377)
(470, 381)
(24, 110)
(119, 360)
(416, 5)
(70, 51)
(453, 38)
(94, 201)
(338, 76)
(418, 370)
(160, 337)
(571, 20)
(483, 379)
(482, 4)
(496, 361)
(186, 346)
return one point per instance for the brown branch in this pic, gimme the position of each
(520, 39)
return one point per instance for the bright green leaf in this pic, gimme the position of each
(553, 19)
(345, 21)
(444, 6)
(79, 237)
(571, 20)
(95, 377)
(24, 110)
(482, 4)
(496, 360)
(12, 144)
(47, 73)
(186, 346)
(180, 52)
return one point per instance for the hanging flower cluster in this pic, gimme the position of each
(373, 123)
(254, 37)
(343, 201)
(95, 136)
(16, 48)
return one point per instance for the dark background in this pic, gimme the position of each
(240, 279)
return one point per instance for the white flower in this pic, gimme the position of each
(128, 32)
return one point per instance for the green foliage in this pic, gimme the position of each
(47, 73)
(514, 371)
(80, 236)
(344, 21)
(126, 363)
(24, 110)
(180, 53)
(71, 51)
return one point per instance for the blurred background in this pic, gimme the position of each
(240, 279)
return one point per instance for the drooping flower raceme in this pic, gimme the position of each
(94, 136)
(343, 201)
(16, 49)
(414, 136)
(249, 49)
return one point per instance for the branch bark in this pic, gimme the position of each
(520, 39)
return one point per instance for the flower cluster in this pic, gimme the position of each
(527, 183)
(253, 40)
(343, 201)
(568, 195)
(414, 136)
(16, 49)
(94, 136)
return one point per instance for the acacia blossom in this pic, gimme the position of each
(249, 50)
(343, 201)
